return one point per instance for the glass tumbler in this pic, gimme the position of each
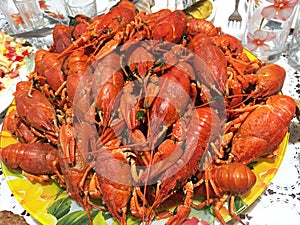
(268, 27)
(87, 7)
(17, 24)
(294, 46)
(30, 10)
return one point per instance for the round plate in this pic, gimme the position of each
(49, 204)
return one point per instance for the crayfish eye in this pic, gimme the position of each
(194, 179)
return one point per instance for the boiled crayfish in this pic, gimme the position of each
(140, 110)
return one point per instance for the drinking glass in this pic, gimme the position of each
(17, 23)
(30, 10)
(87, 7)
(268, 27)
(294, 45)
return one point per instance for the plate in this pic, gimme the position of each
(49, 204)
(6, 95)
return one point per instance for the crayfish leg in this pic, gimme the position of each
(202, 204)
(57, 172)
(183, 210)
(136, 208)
(218, 206)
(41, 178)
(231, 211)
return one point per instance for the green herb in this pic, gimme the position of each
(159, 63)
(178, 13)
(140, 115)
(146, 105)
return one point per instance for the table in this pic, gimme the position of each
(278, 204)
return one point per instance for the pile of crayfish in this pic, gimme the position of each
(145, 110)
